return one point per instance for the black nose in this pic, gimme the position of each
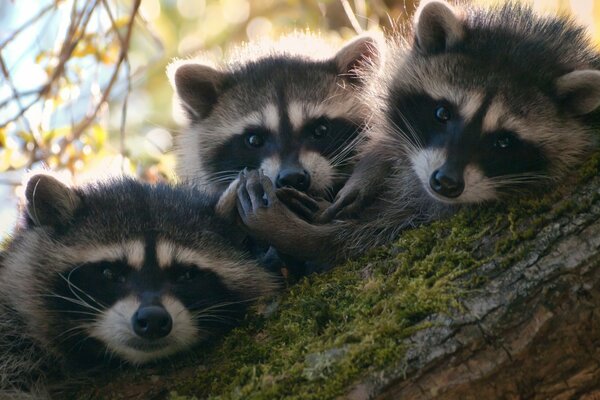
(152, 322)
(294, 177)
(446, 184)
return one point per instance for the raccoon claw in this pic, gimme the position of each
(255, 191)
(300, 203)
(345, 205)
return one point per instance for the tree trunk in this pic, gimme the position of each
(533, 331)
(497, 302)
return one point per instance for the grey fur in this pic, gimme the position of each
(96, 223)
(258, 86)
(503, 68)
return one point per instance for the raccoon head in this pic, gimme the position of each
(296, 118)
(492, 101)
(125, 269)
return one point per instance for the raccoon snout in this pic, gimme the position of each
(446, 183)
(296, 178)
(152, 322)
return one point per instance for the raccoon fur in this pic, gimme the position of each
(485, 103)
(290, 108)
(116, 270)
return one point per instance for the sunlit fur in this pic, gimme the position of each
(279, 89)
(497, 72)
(60, 313)
(506, 68)
(500, 72)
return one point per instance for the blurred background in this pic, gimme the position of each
(83, 89)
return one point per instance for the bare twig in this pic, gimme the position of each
(122, 132)
(351, 16)
(75, 32)
(124, 116)
(80, 128)
(27, 24)
(21, 94)
(13, 89)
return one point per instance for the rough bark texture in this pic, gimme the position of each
(497, 302)
(533, 331)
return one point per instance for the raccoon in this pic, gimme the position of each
(485, 103)
(116, 270)
(283, 107)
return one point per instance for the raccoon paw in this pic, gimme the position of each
(226, 205)
(258, 205)
(299, 203)
(267, 218)
(254, 191)
(347, 203)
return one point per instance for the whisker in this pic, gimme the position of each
(77, 301)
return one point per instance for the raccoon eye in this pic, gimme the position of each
(504, 141)
(320, 131)
(442, 114)
(186, 275)
(113, 276)
(254, 140)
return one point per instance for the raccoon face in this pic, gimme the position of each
(297, 119)
(141, 300)
(95, 285)
(311, 157)
(476, 127)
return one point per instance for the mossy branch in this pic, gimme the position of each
(496, 300)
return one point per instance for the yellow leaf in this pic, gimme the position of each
(121, 22)
(41, 56)
(99, 135)
(84, 49)
(26, 136)
(5, 159)
(110, 55)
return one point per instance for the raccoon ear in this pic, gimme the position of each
(437, 26)
(579, 91)
(197, 86)
(358, 56)
(50, 202)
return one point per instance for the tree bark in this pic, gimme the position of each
(533, 331)
(526, 326)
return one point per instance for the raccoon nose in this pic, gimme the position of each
(445, 184)
(294, 177)
(152, 322)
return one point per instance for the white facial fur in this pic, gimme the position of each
(320, 170)
(195, 140)
(132, 251)
(478, 188)
(271, 167)
(114, 329)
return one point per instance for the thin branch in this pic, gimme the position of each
(23, 93)
(13, 89)
(78, 24)
(22, 111)
(128, 90)
(27, 24)
(113, 22)
(351, 17)
(124, 116)
(122, 55)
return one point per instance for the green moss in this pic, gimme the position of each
(590, 168)
(329, 330)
